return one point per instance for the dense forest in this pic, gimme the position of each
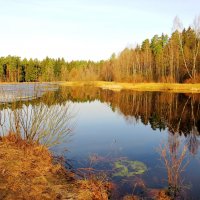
(161, 59)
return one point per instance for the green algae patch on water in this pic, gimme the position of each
(128, 168)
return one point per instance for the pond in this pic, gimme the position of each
(142, 141)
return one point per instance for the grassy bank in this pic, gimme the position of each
(28, 171)
(117, 86)
(170, 87)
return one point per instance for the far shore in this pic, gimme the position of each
(118, 86)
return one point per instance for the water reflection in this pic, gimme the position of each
(34, 120)
(178, 112)
(175, 117)
(28, 91)
(174, 156)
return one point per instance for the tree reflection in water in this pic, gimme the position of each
(48, 124)
(177, 113)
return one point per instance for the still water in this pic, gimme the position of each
(123, 134)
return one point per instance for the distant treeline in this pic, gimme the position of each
(161, 59)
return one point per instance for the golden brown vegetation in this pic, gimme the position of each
(117, 86)
(27, 171)
(155, 194)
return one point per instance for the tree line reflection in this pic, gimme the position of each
(178, 113)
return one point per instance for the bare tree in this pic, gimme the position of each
(196, 26)
(178, 26)
(174, 157)
(45, 124)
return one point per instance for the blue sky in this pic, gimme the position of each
(85, 29)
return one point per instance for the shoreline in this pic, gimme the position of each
(28, 170)
(118, 86)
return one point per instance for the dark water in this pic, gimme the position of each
(122, 128)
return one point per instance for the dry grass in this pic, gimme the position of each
(92, 189)
(171, 87)
(156, 194)
(27, 171)
(117, 86)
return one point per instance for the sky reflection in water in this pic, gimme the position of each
(104, 131)
(131, 125)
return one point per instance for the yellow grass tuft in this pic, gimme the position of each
(27, 171)
(117, 86)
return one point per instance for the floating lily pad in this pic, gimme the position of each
(127, 168)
